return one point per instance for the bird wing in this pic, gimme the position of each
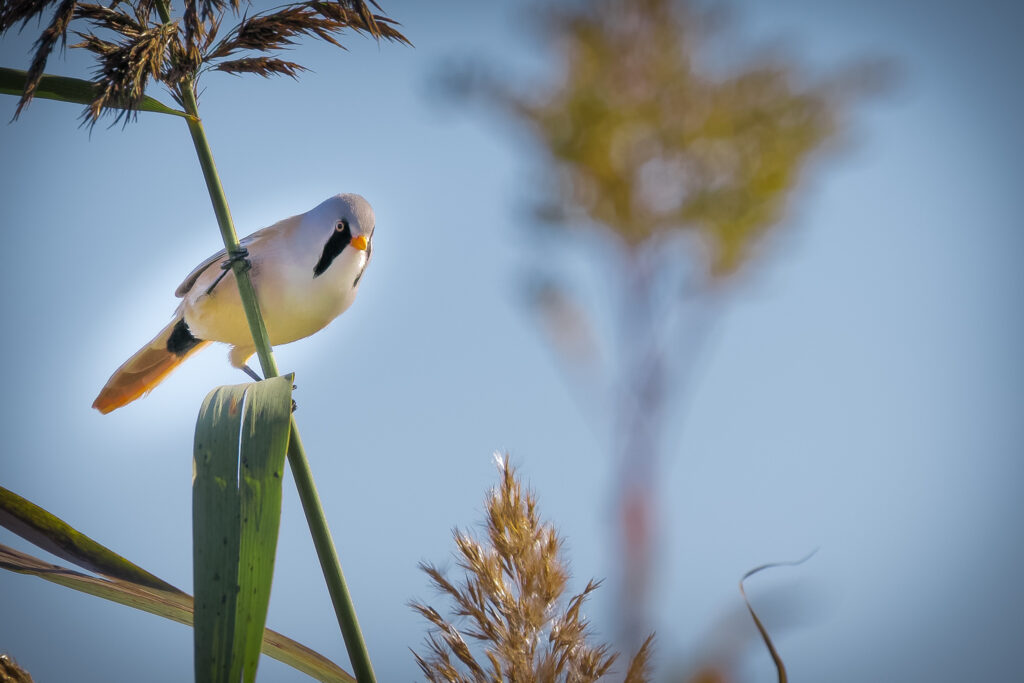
(189, 282)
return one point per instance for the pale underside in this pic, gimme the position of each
(294, 304)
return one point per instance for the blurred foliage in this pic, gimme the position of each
(645, 143)
(687, 152)
(510, 600)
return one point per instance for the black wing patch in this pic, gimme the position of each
(181, 340)
(339, 240)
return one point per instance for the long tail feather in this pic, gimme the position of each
(138, 375)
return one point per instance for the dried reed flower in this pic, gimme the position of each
(124, 68)
(57, 29)
(146, 44)
(10, 672)
(510, 596)
(263, 66)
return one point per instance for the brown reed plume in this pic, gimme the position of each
(137, 41)
(10, 672)
(510, 597)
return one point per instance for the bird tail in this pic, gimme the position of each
(140, 374)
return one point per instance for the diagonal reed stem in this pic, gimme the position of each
(301, 472)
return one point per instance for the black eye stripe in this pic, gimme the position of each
(339, 240)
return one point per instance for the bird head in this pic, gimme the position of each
(345, 222)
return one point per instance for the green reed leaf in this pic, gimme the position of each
(55, 536)
(240, 444)
(174, 605)
(75, 90)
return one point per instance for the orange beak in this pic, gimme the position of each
(359, 242)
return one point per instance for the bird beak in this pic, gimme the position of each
(359, 242)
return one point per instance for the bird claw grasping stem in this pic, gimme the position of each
(240, 254)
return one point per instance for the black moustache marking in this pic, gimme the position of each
(339, 240)
(181, 340)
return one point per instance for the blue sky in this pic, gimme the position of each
(862, 392)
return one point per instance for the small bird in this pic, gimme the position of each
(306, 271)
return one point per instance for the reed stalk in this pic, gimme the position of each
(301, 472)
(297, 460)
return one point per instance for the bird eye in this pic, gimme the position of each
(341, 225)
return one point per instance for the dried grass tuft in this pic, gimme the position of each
(136, 42)
(22, 12)
(124, 68)
(10, 672)
(263, 66)
(57, 30)
(509, 604)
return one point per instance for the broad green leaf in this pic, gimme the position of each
(173, 605)
(76, 90)
(241, 440)
(53, 535)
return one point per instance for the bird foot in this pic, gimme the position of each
(252, 373)
(234, 256)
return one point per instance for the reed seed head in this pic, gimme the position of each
(136, 42)
(508, 620)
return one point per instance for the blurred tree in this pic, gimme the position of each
(682, 172)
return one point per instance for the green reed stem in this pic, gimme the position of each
(301, 472)
(315, 518)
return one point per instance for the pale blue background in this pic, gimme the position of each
(862, 393)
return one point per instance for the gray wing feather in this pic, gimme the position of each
(189, 281)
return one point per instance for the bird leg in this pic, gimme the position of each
(255, 375)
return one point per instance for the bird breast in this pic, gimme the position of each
(294, 304)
